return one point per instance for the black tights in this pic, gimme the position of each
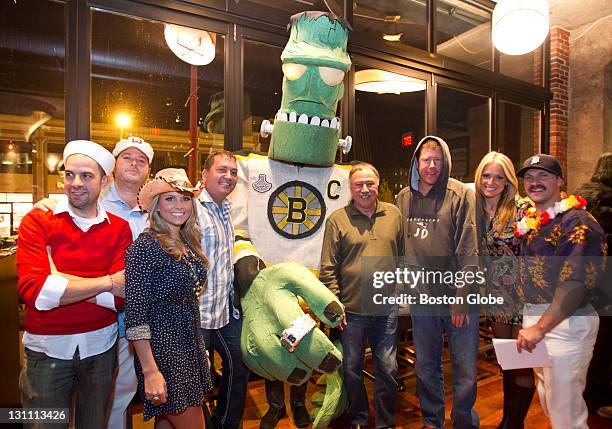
(523, 376)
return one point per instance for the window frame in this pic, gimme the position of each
(260, 27)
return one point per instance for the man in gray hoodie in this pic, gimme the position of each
(440, 235)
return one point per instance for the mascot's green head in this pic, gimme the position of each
(306, 128)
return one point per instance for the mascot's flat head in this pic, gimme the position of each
(315, 60)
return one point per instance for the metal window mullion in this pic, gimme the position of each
(78, 70)
(234, 86)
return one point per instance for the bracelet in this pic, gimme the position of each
(111, 281)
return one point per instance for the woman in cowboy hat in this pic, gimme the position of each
(165, 273)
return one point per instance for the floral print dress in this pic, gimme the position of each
(503, 273)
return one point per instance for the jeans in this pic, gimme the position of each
(50, 383)
(232, 394)
(463, 343)
(275, 394)
(381, 332)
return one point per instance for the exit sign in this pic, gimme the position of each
(407, 139)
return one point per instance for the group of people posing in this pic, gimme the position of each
(158, 257)
(140, 255)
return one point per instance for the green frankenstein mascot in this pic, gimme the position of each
(279, 208)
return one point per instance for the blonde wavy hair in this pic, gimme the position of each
(506, 207)
(190, 232)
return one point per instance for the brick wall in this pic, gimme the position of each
(559, 86)
(538, 79)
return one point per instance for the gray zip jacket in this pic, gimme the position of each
(440, 224)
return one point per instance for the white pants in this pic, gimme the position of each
(570, 346)
(126, 385)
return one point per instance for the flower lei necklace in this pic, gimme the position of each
(530, 221)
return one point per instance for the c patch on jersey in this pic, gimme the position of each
(296, 210)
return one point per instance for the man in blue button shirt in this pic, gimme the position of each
(132, 166)
(221, 322)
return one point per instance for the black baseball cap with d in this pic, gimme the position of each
(541, 161)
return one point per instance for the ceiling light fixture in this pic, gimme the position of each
(384, 82)
(191, 45)
(520, 26)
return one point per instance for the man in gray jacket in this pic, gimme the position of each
(440, 236)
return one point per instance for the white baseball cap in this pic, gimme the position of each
(135, 142)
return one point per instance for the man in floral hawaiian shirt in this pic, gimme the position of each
(561, 256)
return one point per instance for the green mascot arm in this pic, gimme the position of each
(272, 315)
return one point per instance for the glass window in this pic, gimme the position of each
(518, 130)
(279, 11)
(141, 87)
(16, 157)
(263, 80)
(387, 125)
(31, 100)
(527, 67)
(464, 32)
(463, 122)
(403, 21)
(13, 207)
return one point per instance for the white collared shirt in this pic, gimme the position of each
(112, 202)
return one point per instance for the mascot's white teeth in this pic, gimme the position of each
(304, 119)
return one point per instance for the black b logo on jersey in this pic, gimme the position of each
(296, 210)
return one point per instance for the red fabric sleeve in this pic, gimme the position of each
(32, 259)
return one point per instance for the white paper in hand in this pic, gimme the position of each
(509, 358)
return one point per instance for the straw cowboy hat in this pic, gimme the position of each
(166, 180)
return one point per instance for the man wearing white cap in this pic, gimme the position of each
(132, 166)
(70, 268)
(133, 158)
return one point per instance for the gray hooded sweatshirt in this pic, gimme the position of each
(440, 224)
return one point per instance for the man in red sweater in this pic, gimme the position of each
(70, 268)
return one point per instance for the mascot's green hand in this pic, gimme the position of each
(279, 342)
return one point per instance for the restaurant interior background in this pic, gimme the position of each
(103, 69)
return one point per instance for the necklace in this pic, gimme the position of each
(192, 261)
(530, 222)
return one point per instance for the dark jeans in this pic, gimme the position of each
(275, 394)
(463, 342)
(232, 394)
(50, 383)
(381, 332)
(598, 392)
